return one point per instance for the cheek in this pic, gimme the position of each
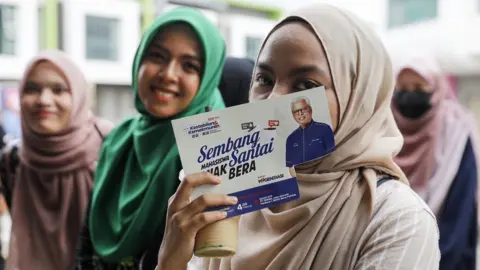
(64, 103)
(146, 72)
(191, 85)
(27, 103)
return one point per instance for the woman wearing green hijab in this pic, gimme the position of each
(176, 71)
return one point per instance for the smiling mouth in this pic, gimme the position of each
(161, 92)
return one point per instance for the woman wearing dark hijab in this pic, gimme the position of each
(235, 81)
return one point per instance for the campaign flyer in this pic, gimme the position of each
(254, 147)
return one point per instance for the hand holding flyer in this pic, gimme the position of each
(254, 147)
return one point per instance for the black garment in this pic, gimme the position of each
(235, 82)
(457, 221)
(2, 138)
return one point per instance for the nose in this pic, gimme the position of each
(170, 73)
(279, 89)
(46, 97)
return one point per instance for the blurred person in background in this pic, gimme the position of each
(11, 112)
(439, 156)
(176, 72)
(6, 142)
(5, 231)
(235, 82)
(48, 177)
(356, 210)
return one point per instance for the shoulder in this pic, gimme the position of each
(402, 233)
(293, 134)
(394, 196)
(104, 126)
(321, 125)
(397, 203)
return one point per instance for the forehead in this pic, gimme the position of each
(296, 42)
(180, 34)
(46, 71)
(409, 75)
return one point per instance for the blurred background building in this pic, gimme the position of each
(102, 35)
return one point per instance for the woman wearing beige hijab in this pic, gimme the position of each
(344, 219)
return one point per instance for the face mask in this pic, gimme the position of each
(412, 104)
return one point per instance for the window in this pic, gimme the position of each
(101, 38)
(252, 45)
(401, 12)
(7, 29)
(41, 28)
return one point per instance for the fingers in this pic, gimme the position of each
(292, 172)
(192, 217)
(182, 196)
(190, 227)
(205, 201)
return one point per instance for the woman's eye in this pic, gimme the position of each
(307, 84)
(262, 80)
(191, 67)
(32, 88)
(157, 56)
(59, 90)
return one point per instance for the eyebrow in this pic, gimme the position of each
(265, 67)
(187, 56)
(295, 71)
(306, 69)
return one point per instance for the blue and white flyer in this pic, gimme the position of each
(254, 147)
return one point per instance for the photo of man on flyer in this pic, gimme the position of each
(311, 139)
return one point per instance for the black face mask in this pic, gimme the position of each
(412, 104)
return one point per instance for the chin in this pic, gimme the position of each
(45, 131)
(162, 113)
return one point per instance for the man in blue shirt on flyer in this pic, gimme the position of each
(311, 139)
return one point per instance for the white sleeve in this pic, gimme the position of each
(181, 175)
(195, 263)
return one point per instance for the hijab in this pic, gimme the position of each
(139, 161)
(235, 81)
(54, 179)
(435, 142)
(322, 228)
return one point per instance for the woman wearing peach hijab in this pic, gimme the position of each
(346, 217)
(439, 156)
(48, 179)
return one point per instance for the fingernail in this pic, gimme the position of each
(224, 214)
(233, 199)
(218, 180)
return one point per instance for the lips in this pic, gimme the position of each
(44, 114)
(163, 94)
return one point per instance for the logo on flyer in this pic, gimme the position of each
(248, 126)
(270, 178)
(272, 124)
(211, 126)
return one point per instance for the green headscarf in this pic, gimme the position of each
(138, 167)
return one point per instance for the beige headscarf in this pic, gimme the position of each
(322, 228)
